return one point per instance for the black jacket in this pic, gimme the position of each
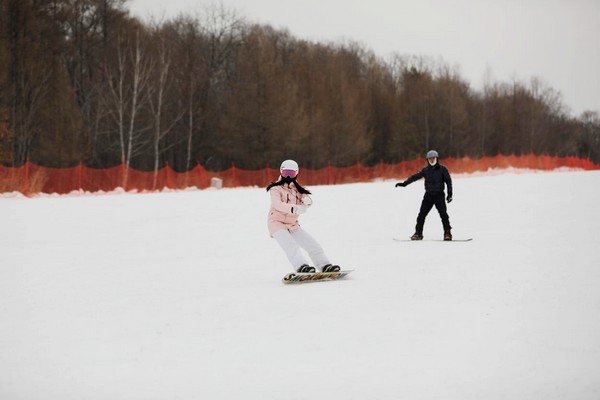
(435, 177)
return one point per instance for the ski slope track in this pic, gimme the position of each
(178, 295)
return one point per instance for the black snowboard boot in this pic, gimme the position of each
(416, 236)
(330, 268)
(447, 235)
(306, 268)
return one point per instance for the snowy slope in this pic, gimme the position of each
(178, 295)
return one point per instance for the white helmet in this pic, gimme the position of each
(289, 165)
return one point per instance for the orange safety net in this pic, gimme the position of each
(30, 179)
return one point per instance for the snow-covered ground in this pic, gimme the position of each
(179, 295)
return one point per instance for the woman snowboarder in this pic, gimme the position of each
(288, 200)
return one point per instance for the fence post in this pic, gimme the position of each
(168, 174)
(123, 174)
(200, 168)
(26, 188)
(79, 175)
(234, 176)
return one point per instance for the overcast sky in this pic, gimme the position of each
(555, 40)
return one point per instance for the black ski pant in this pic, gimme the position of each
(430, 200)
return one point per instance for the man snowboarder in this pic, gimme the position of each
(435, 175)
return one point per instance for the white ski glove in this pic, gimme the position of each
(299, 209)
(307, 201)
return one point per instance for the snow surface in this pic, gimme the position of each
(179, 295)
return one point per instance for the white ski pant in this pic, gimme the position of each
(293, 242)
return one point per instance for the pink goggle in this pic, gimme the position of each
(288, 173)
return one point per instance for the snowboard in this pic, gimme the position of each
(433, 240)
(305, 277)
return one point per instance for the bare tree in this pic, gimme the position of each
(188, 77)
(27, 84)
(590, 141)
(157, 88)
(222, 30)
(484, 99)
(127, 81)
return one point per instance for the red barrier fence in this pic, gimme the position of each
(30, 179)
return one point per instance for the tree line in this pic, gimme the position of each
(82, 81)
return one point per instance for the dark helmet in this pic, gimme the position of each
(432, 153)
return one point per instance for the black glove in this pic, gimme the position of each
(449, 198)
(401, 184)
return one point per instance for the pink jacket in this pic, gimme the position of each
(284, 199)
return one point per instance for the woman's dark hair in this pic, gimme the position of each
(282, 181)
